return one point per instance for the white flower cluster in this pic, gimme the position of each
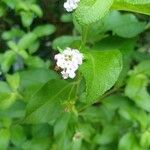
(70, 5)
(69, 61)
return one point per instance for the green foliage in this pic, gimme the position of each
(101, 71)
(139, 6)
(105, 107)
(126, 25)
(136, 87)
(94, 9)
(64, 41)
(128, 141)
(4, 138)
(60, 95)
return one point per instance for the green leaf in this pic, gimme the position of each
(145, 139)
(5, 121)
(90, 11)
(133, 114)
(32, 80)
(84, 132)
(34, 47)
(12, 34)
(66, 18)
(13, 80)
(128, 142)
(7, 99)
(101, 70)
(124, 25)
(37, 144)
(143, 68)
(126, 46)
(97, 114)
(12, 45)
(2, 10)
(127, 50)
(10, 3)
(36, 9)
(64, 41)
(115, 101)
(41, 130)
(4, 87)
(139, 6)
(50, 100)
(27, 18)
(17, 110)
(35, 62)
(108, 135)
(61, 125)
(136, 90)
(21, 5)
(27, 40)
(4, 138)
(44, 30)
(17, 135)
(64, 128)
(8, 60)
(137, 1)
(23, 54)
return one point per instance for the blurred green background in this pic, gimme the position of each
(30, 33)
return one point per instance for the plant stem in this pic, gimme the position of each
(100, 99)
(84, 37)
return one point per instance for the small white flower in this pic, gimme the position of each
(70, 5)
(64, 74)
(69, 61)
(78, 56)
(71, 74)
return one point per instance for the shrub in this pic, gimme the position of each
(74, 78)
